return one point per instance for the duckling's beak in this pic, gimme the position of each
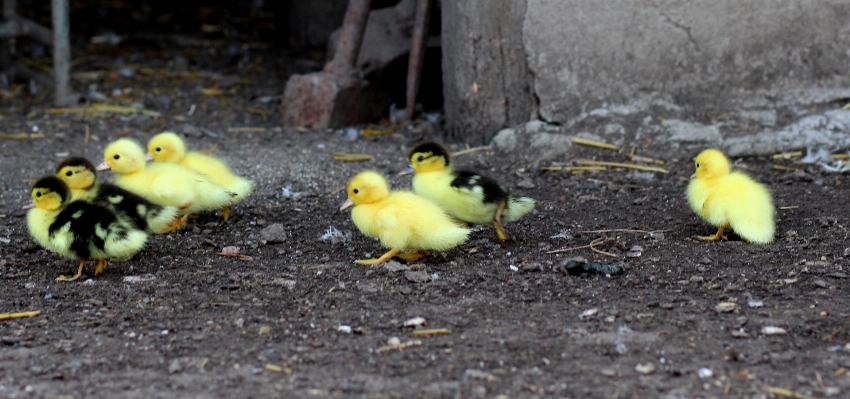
(29, 205)
(103, 167)
(347, 204)
(694, 176)
(148, 157)
(408, 170)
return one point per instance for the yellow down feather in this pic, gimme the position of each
(400, 219)
(731, 198)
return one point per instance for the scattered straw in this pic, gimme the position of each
(19, 315)
(210, 150)
(597, 144)
(623, 165)
(338, 189)
(789, 207)
(21, 136)
(626, 231)
(787, 155)
(103, 109)
(786, 392)
(341, 156)
(471, 150)
(371, 132)
(256, 111)
(592, 246)
(246, 129)
(433, 331)
(784, 168)
(211, 92)
(573, 168)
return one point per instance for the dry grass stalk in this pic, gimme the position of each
(21, 136)
(19, 315)
(433, 331)
(573, 168)
(341, 156)
(597, 144)
(623, 165)
(470, 150)
(246, 129)
(785, 168)
(786, 392)
(786, 155)
(103, 109)
(592, 247)
(372, 133)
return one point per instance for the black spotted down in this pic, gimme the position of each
(494, 193)
(127, 206)
(77, 161)
(84, 219)
(54, 184)
(435, 149)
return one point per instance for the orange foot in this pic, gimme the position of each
(717, 236)
(76, 276)
(412, 256)
(383, 259)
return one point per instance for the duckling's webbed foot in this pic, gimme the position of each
(412, 256)
(76, 276)
(383, 259)
(226, 211)
(101, 266)
(717, 236)
(497, 222)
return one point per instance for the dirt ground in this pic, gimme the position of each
(687, 319)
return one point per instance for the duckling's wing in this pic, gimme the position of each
(481, 187)
(135, 209)
(87, 223)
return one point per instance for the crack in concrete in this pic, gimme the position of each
(681, 27)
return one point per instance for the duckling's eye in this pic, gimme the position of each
(38, 194)
(158, 149)
(69, 173)
(355, 191)
(697, 164)
(116, 156)
(421, 158)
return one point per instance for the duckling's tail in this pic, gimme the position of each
(159, 218)
(241, 188)
(517, 207)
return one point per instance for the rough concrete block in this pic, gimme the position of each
(320, 100)
(584, 53)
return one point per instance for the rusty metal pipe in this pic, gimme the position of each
(353, 27)
(417, 53)
(61, 51)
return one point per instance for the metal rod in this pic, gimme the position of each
(417, 53)
(61, 51)
(350, 39)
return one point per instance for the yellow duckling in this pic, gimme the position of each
(78, 229)
(730, 199)
(400, 219)
(467, 196)
(81, 177)
(162, 183)
(169, 147)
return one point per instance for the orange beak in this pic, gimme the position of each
(347, 204)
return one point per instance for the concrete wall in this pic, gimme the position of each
(584, 53)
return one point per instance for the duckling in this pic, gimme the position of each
(163, 183)
(730, 199)
(78, 229)
(402, 220)
(81, 177)
(169, 147)
(467, 196)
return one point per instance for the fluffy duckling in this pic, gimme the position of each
(162, 183)
(467, 196)
(78, 229)
(81, 177)
(169, 147)
(400, 219)
(730, 199)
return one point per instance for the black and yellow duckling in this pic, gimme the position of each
(467, 196)
(78, 229)
(402, 220)
(81, 177)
